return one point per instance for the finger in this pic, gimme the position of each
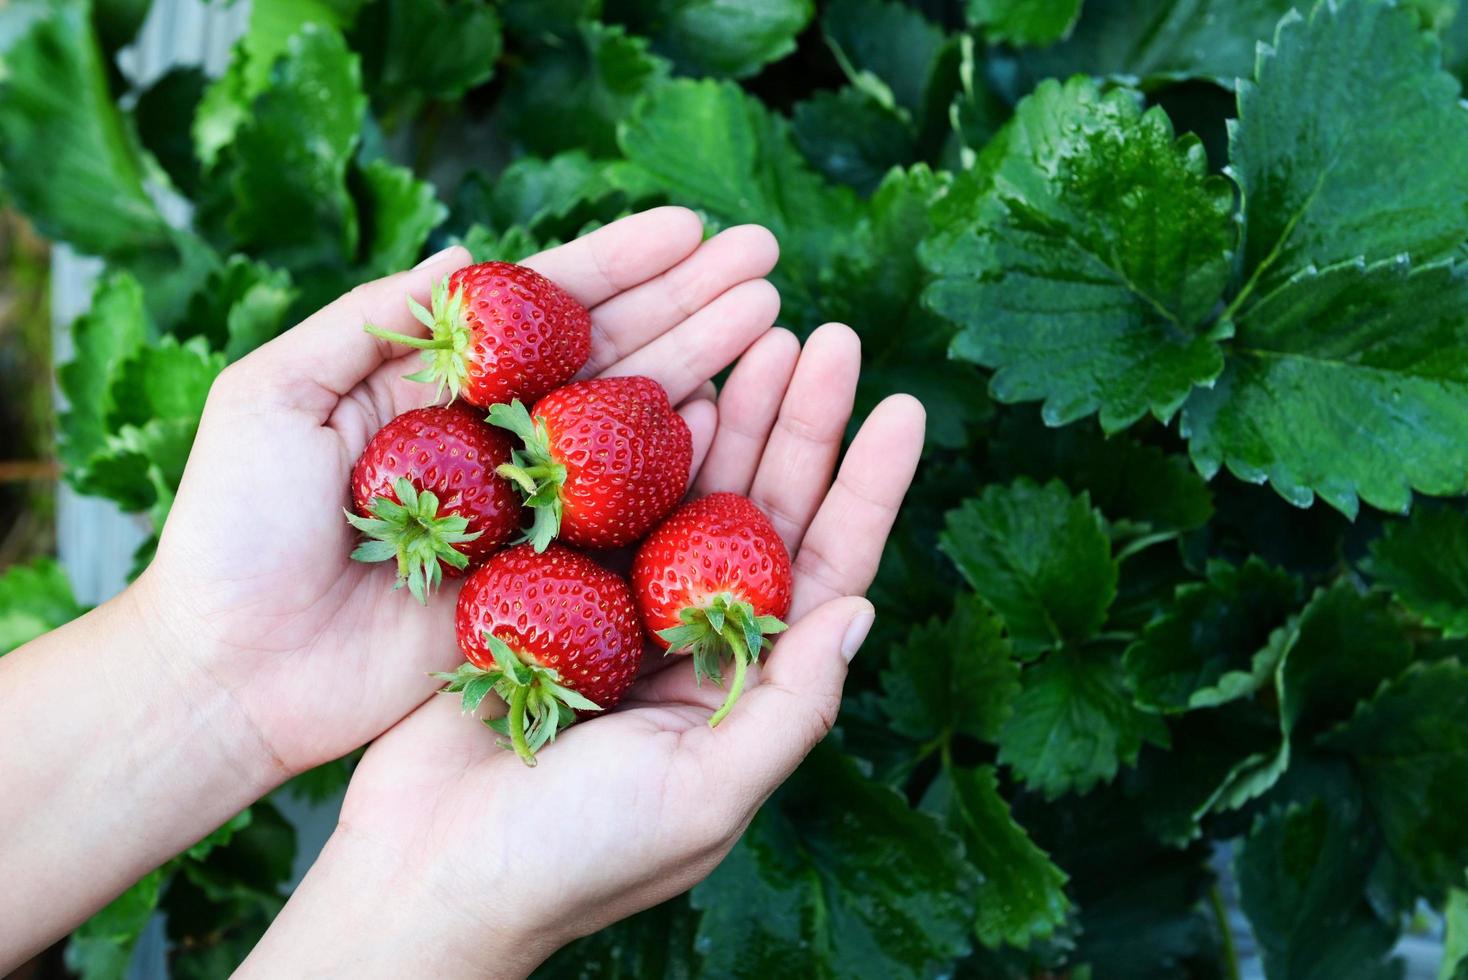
(776, 723)
(707, 342)
(623, 254)
(840, 552)
(316, 362)
(795, 470)
(640, 315)
(670, 680)
(748, 406)
(708, 391)
(449, 739)
(702, 418)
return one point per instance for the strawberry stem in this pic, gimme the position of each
(419, 343)
(736, 686)
(517, 724)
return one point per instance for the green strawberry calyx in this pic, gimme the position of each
(540, 704)
(411, 530)
(534, 470)
(445, 350)
(723, 626)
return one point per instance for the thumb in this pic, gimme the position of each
(776, 724)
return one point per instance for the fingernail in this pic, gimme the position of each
(856, 634)
(435, 256)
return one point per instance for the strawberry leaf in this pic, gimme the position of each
(1410, 748)
(393, 37)
(290, 154)
(1220, 640)
(1340, 650)
(571, 91)
(711, 146)
(860, 885)
(1040, 557)
(1073, 725)
(1424, 562)
(1021, 896)
(34, 599)
(1024, 22)
(710, 37)
(398, 215)
(1084, 258)
(954, 676)
(55, 107)
(1301, 873)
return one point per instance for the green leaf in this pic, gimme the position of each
(874, 284)
(1219, 641)
(1086, 272)
(1424, 562)
(1410, 748)
(888, 50)
(1024, 22)
(172, 97)
(273, 23)
(1160, 40)
(114, 329)
(1177, 788)
(101, 948)
(398, 216)
(954, 676)
(1342, 648)
(55, 107)
(1317, 146)
(711, 146)
(34, 599)
(572, 91)
(1301, 874)
(1455, 945)
(653, 945)
(1073, 724)
(514, 244)
(714, 37)
(862, 886)
(851, 138)
(1037, 555)
(1128, 481)
(1333, 356)
(290, 155)
(416, 51)
(549, 198)
(1021, 897)
(241, 306)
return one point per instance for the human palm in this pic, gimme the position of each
(253, 569)
(633, 807)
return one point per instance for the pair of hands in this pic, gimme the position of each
(628, 809)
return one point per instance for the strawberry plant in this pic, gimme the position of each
(1178, 604)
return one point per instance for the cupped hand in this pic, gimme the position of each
(633, 807)
(252, 576)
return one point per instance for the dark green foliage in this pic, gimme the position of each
(1163, 273)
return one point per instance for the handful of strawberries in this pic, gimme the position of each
(515, 496)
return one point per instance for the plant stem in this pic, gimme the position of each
(421, 343)
(741, 667)
(517, 724)
(1220, 915)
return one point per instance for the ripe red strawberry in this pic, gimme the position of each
(714, 579)
(552, 633)
(603, 460)
(427, 494)
(500, 332)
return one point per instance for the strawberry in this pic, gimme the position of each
(426, 494)
(714, 579)
(552, 633)
(603, 460)
(499, 332)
